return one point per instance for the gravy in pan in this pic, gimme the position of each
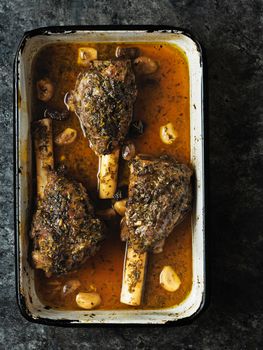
(162, 97)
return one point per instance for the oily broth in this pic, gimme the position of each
(162, 97)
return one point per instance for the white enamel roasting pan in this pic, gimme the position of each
(33, 41)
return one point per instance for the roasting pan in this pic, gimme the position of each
(29, 304)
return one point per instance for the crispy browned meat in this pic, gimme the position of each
(103, 100)
(160, 194)
(65, 230)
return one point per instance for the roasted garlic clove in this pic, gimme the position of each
(168, 134)
(169, 280)
(88, 300)
(128, 151)
(120, 207)
(127, 52)
(145, 65)
(86, 54)
(69, 101)
(70, 287)
(45, 89)
(66, 137)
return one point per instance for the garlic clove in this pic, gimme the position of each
(127, 52)
(128, 151)
(66, 137)
(169, 279)
(45, 89)
(69, 101)
(88, 301)
(168, 134)
(120, 207)
(86, 54)
(145, 65)
(70, 287)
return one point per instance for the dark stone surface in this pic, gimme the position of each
(231, 32)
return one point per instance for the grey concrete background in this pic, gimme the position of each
(231, 32)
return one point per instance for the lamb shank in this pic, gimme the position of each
(160, 194)
(103, 101)
(65, 230)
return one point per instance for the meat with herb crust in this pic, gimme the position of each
(65, 230)
(103, 101)
(160, 194)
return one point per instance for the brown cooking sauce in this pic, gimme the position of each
(162, 97)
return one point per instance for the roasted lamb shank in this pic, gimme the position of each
(160, 194)
(65, 230)
(103, 101)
